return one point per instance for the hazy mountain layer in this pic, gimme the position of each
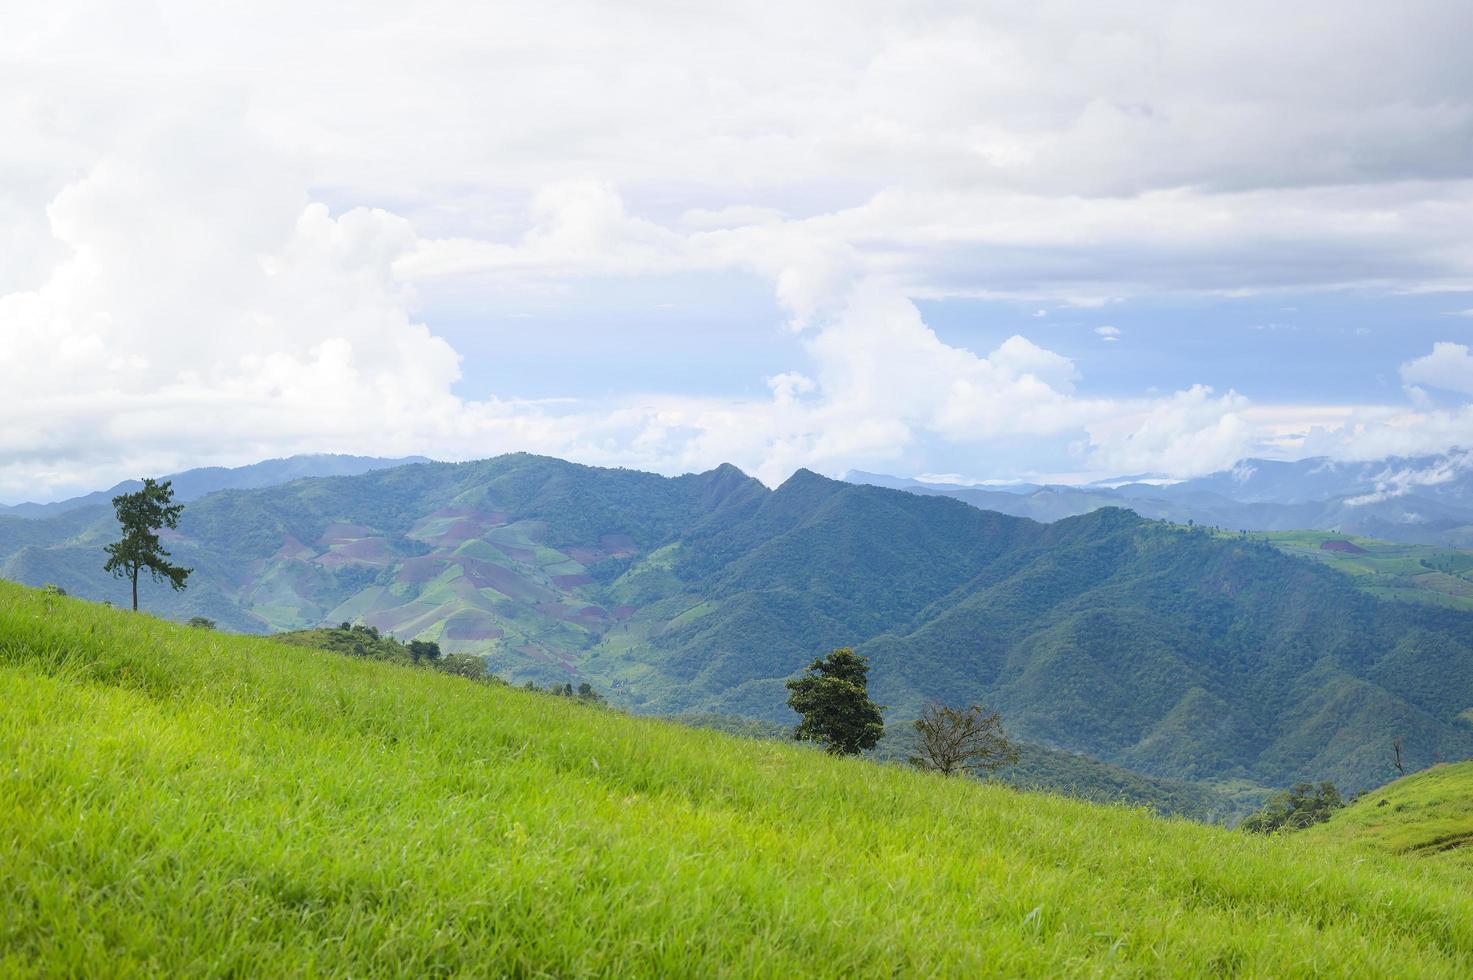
(1423, 500)
(193, 484)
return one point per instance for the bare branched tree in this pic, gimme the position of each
(950, 740)
(1396, 748)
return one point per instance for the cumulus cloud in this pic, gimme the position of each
(206, 261)
(1449, 366)
(1108, 334)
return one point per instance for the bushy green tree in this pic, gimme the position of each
(201, 623)
(951, 740)
(1294, 809)
(832, 695)
(463, 665)
(424, 650)
(142, 515)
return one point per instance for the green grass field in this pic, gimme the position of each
(183, 802)
(1428, 815)
(1401, 572)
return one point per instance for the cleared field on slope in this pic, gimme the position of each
(195, 803)
(1428, 814)
(1404, 572)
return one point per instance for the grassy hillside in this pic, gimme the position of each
(195, 803)
(1046, 770)
(1159, 649)
(1428, 814)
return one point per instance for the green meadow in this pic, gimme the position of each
(194, 803)
(1427, 815)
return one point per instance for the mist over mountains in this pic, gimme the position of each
(195, 483)
(1417, 500)
(1167, 650)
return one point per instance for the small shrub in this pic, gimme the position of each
(1294, 809)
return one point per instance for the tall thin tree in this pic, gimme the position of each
(142, 515)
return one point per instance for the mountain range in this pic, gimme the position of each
(1172, 651)
(1417, 500)
(195, 483)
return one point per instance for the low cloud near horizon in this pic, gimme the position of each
(224, 241)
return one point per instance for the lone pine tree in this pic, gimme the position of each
(142, 515)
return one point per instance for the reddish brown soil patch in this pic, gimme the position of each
(484, 575)
(292, 548)
(618, 545)
(514, 552)
(622, 612)
(468, 625)
(461, 531)
(536, 653)
(365, 551)
(340, 533)
(571, 581)
(1345, 547)
(586, 556)
(394, 620)
(590, 616)
(467, 525)
(417, 571)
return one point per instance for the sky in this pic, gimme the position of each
(977, 241)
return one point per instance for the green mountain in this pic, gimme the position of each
(179, 802)
(1165, 650)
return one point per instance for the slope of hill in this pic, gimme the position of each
(1045, 770)
(1401, 572)
(183, 802)
(193, 484)
(1167, 651)
(1427, 814)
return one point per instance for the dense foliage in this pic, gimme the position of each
(832, 700)
(1301, 806)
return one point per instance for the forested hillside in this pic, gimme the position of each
(1163, 649)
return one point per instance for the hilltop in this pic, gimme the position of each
(181, 801)
(1427, 815)
(1169, 651)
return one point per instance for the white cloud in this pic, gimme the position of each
(218, 233)
(1108, 334)
(1192, 431)
(1449, 366)
(1400, 481)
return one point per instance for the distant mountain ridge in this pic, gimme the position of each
(1173, 652)
(1416, 500)
(193, 484)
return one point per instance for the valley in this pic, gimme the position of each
(1173, 652)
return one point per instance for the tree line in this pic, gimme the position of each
(832, 699)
